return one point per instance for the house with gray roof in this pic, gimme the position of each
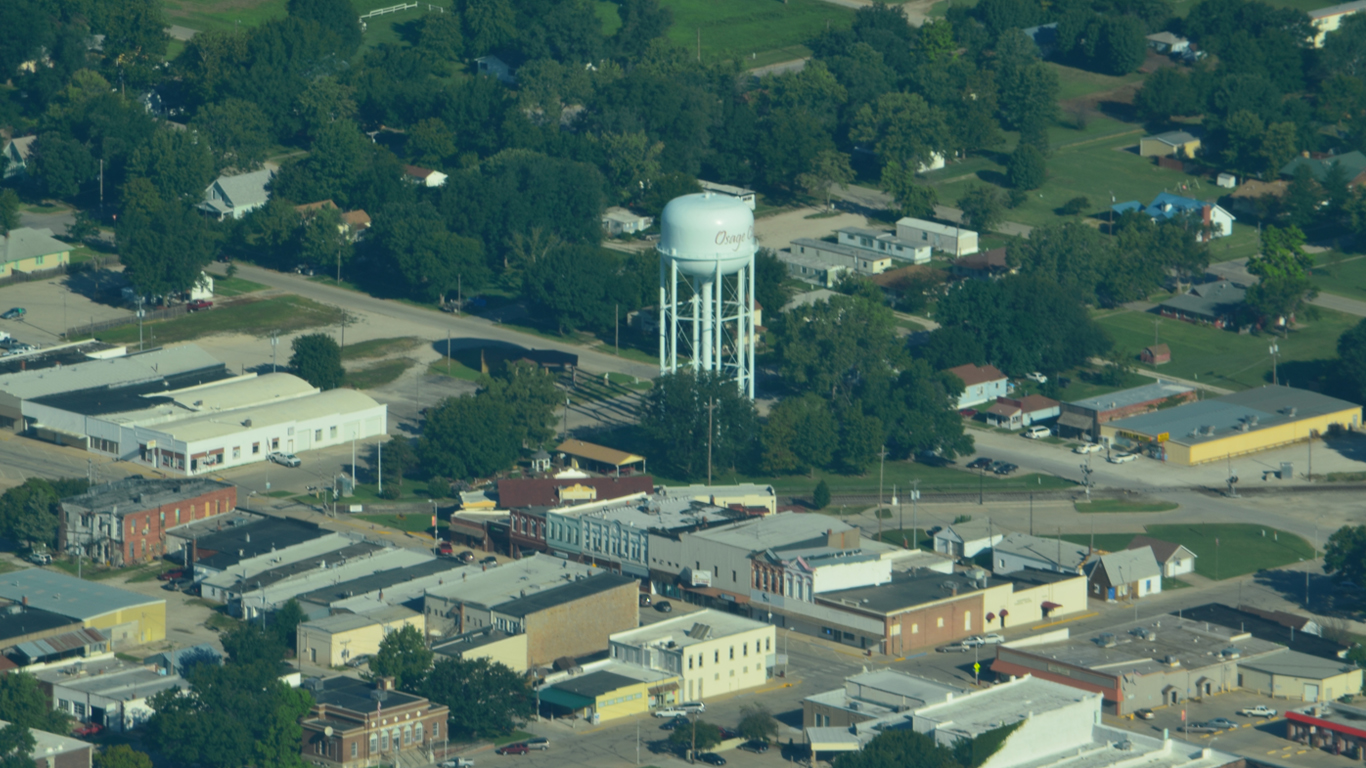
(1127, 575)
(1018, 551)
(31, 250)
(236, 196)
(1215, 303)
(17, 151)
(1352, 166)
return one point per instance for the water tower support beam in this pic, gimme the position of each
(708, 321)
(696, 325)
(719, 354)
(750, 368)
(663, 319)
(741, 347)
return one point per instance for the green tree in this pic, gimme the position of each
(1240, 137)
(486, 699)
(17, 747)
(336, 16)
(530, 394)
(122, 756)
(468, 438)
(430, 261)
(576, 287)
(829, 169)
(1122, 45)
(9, 210)
(286, 620)
(323, 240)
(316, 359)
(1166, 93)
(1026, 169)
(901, 128)
(1283, 267)
(828, 346)
(430, 142)
(238, 133)
(1280, 143)
(674, 421)
(900, 748)
(248, 644)
(800, 435)
(757, 723)
(1352, 359)
(488, 25)
(698, 734)
(177, 163)
(1027, 88)
(403, 655)
(82, 229)
(61, 166)
(23, 703)
(1344, 555)
(770, 278)
(164, 245)
(821, 496)
(29, 514)
(1302, 197)
(442, 37)
(911, 199)
(861, 439)
(982, 207)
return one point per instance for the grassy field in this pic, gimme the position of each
(453, 368)
(1241, 548)
(1334, 272)
(1224, 358)
(379, 374)
(758, 32)
(285, 313)
(918, 537)
(205, 15)
(367, 350)
(902, 474)
(1123, 506)
(1073, 82)
(227, 287)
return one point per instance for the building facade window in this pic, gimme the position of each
(384, 741)
(374, 743)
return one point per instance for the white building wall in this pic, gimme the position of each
(837, 576)
(1059, 730)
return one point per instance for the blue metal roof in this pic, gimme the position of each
(67, 595)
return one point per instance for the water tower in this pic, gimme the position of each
(706, 245)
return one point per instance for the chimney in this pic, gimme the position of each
(25, 599)
(954, 589)
(386, 683)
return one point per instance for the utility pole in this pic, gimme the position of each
(692, 754)
(616, 329)
(711, 407)
(448, 351)
(881, 466)
(1273, 349)
(274, 344)
(379, 473)
(343, 330)
(915, 499)
(1031, 513)
(140, 314)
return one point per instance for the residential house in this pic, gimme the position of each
(1214, 220)
(747, 196)
(1175, 559)
(492, 66)
(883, 243)
(1169, 144)
(31, 250)
(17, 152)
(1217, 303)
(945, 238)
(236, 196)
(1020, 551)
(1130, 574)
(357, 223)
(981, 384)
(425, 177)
(811, 268)
(1156, 354)
(1166, 42)
(1328, 19)
(618, 221)
(861, 261)
(354, 723)
(965, 540)
(1352, 167)
(1010, 413)
(985, 265)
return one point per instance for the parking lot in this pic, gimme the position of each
(51, 307)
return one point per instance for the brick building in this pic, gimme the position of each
(574, 619)
(1084, 417)
(125, 521)
(355, 723)
(52, 750)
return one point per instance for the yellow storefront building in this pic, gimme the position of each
(125, 617)
(608, 690)
(1232, 425)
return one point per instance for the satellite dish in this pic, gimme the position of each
(327, 731)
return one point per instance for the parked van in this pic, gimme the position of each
(692, 706)
(1036, 432)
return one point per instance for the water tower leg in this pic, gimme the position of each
(705, 288)
(696, 324)
(741, 331)
(663, 329)
(673, 316)
(750, 371)
(719, 324)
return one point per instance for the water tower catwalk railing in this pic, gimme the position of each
(706, 288)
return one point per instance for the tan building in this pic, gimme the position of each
(126, 618)
(608, 690)
(574, 619)
(712, 651)
(1300, 677)
(487, 643)
(333, 640)
(31, 250)
(1169, 144)
(355, 723)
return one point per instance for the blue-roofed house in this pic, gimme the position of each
(1215, 221)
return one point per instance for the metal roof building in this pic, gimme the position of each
(127, 618)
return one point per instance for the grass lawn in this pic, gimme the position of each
(394, 28)
(609, 15)
(1073, 82)
(447, 366)
(227, 287)
(91, 572)
(257, 318)
(514, 736)
(409, 523)
(1124, 506)
(1169, 583)
(1242, 548)
(366, 350)
(367, 493)
(379, 374)
(1079, 389)
(1224, 358)
(205, 15)
(902, 474)
(757, 33)
(1333, 273)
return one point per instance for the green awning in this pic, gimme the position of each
(572, 701)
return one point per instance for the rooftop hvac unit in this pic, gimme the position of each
(1105, 640)
(1171, 661)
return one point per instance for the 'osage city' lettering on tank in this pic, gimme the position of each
(734, 241)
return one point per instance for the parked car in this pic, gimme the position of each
(199, 304)
(670, 712)
(172, 574)
(677, 722)
(459, 762)
(968, 413)
(990, 638)
(1145, 714)
(514, 749)
(1005, 468)
(981, 462)
(645, 600)
(284, 459)
(358, 660)
(14, 313)
(1201, 728)
(711, 758)
(954, 648)
(540, 742)
(1122, 458)
(41, 558)
(664, 606)
(1261, 710)
(728, 733)
(692, 706)
(465, 557)
(89, 729)
(489, 562)
(1036, 432)
(1036, 376)
(756, 746)
(1087, 448)
(1222, 723)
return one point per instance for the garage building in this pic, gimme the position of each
(1232, 425)
(1300, 677)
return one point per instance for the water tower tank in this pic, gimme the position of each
(699, 231)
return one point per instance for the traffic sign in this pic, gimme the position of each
(976, 667)
(1163, 437)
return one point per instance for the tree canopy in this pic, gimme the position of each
(316, 357)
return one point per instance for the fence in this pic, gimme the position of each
(390, 9)
(91, 328)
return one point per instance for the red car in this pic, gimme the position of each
(514, 749)
(89, 729)
(199, 304)
(445, 548)
(174, 573)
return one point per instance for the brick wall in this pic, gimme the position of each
(581, 627)
(143, 533)
(80, 758)
(1138, 408)
(936, 625)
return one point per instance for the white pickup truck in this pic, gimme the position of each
(1258, 711)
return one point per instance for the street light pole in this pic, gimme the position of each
(881, 466)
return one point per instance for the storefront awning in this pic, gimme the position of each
(572, 701)
(832, 740)
(1049, 605)
(716, 593)
(672, 685)
(1075, 421)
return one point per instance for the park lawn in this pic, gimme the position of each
(398, 28)
(1108, 505)
(1338, 274)
(901, 474)
(366, 350)
(205, 15)
(227, 287)
(379, 374)
(1225, 358)
(1079, 389)
(754, 32)
(1073, 82)
(609, 15)
(284, 313)
(454, 368)
(1242, 548)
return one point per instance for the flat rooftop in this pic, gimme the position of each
(1297, 664)
(148, 395)
(65, 355)
(461, 644)
(1111, 746)
(1159, 390)
(565, 593)
(680, 630)
(1003, 704)
(67, 595)
(380, 580)
(1217, 418)
(387, 559)
(111, 678)
(224, 549)
(506, 582)
(780, 531)
(310, 556)
(227, 394)
(211, 425)
(136, 493)
(902, 592)
(1194, 644)
(18, 620)
(345, 622)
(47, 744)
(354, 695)
(152, 365)
(889, 684)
